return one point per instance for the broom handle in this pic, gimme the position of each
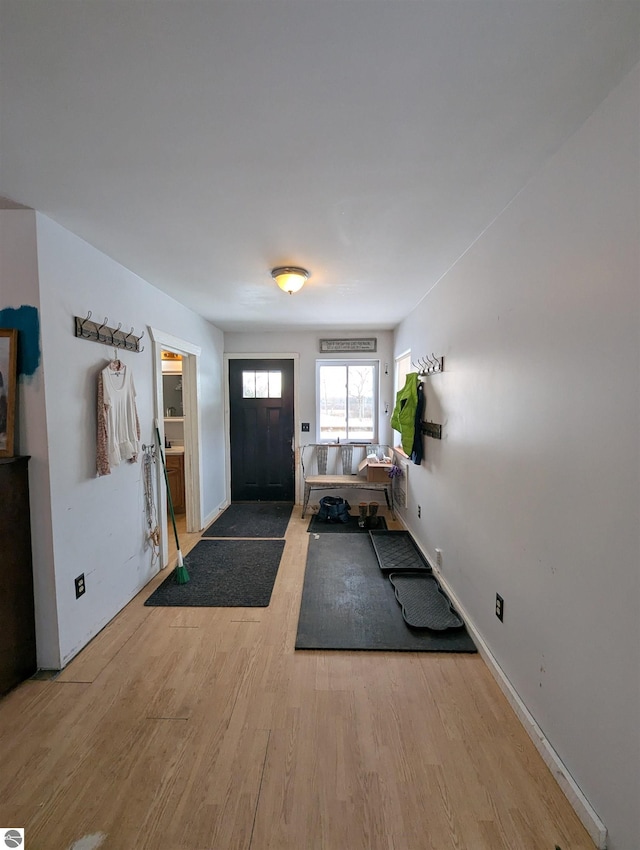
(166, 479)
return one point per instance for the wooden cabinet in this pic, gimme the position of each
(175, 474)
(17, 620)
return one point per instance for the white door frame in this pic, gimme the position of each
(192, 442)
(296, 424)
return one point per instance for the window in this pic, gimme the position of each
(261, 384)
(347, 400)
(403, 367)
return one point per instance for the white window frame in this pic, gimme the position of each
(375, 364)
(402, 368)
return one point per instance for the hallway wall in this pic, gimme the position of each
(98, 525)
(534, 490)
(19, 285)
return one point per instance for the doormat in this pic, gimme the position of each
(252, 519)
(396, 550)
(224, 574)
(319, 526)
(348, 603)
(424, 603)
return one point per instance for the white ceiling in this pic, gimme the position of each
(202, 143)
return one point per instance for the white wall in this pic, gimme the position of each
(534, 490)
(98, 524)
(19, 286)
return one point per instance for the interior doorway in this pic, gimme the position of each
(177, 415)
(174, 427)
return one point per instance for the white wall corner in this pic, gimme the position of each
(215, 513)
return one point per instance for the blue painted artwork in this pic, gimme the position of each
(27, 321)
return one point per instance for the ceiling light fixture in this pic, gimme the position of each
(290, 278)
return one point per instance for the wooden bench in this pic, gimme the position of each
(322, 454)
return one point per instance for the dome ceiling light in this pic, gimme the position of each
(290, 278)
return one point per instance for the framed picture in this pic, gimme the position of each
(368, 344)
(8, 379)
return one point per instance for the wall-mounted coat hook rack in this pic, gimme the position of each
(431, 429)
(115, 337)
(426, 366)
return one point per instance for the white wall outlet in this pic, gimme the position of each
(439, 558)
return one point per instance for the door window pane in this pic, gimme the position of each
(248, 385)
(275, 384)
(261, 384)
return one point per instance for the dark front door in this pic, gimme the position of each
(261, 423)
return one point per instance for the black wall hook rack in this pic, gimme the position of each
(431, 429)
(115, 337)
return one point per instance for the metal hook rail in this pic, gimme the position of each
(426, 366)
(88, 329)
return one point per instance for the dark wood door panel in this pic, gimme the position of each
(261, 438)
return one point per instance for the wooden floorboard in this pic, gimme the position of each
(203, 729)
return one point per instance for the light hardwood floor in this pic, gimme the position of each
(203, 729)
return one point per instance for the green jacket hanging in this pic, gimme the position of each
(403, 418)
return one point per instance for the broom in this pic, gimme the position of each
(181, 574)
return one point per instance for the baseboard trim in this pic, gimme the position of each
(579, 803)
(215, 513)
(563, 777)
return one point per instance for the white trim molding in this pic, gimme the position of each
(192, 448)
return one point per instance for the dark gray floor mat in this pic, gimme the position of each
(348, 604)
(224, 574)
(395, 551)
(318, 526)
(252, 519)
(424, 603)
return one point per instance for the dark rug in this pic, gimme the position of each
(317, 526)
(224, 574)
(252, 519)
(348, 603)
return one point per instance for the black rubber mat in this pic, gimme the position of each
(424, 603)
(318, 526)
(396, 551)
(348, 604)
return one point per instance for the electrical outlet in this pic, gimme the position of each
(499, 607)
(419, 511)
(439, 558)
(305, 426)
(80, 586)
